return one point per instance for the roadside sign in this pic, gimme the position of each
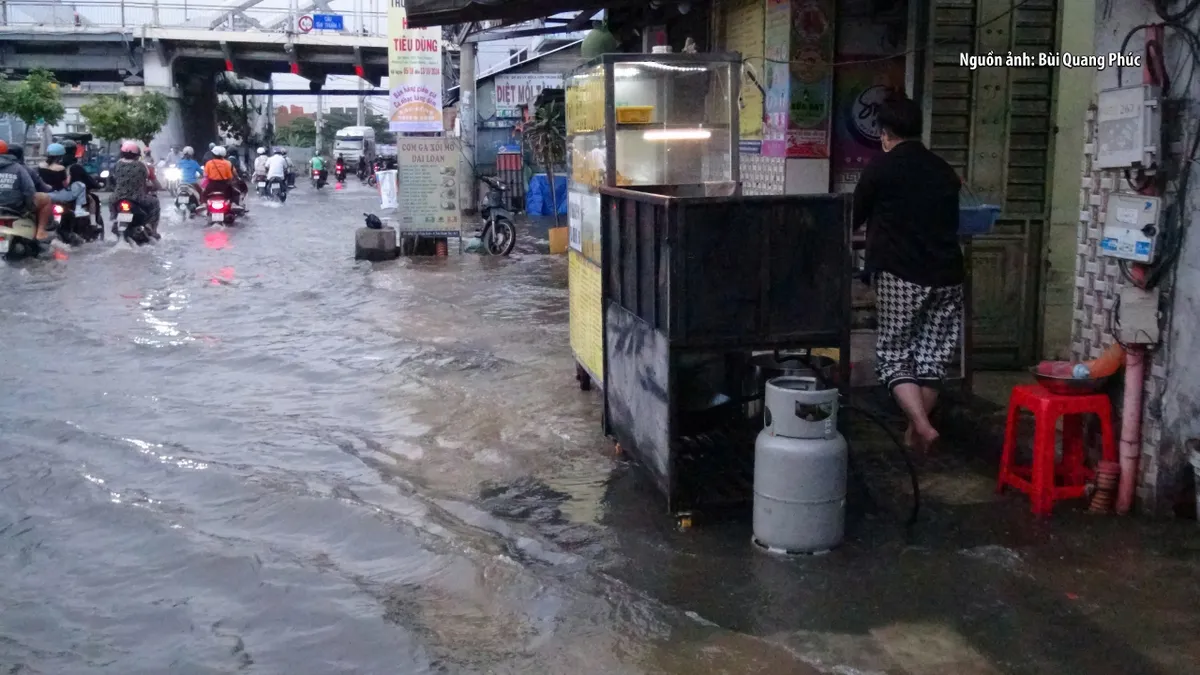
(305, 24)
(327, 22)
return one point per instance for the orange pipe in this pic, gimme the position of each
(1131, 427)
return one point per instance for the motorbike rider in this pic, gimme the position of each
(277, 168)
(339, 167)
(221, 176)
(77, 173)
(25, 193)
(291, 168)
(260, 165)
(318, 165)
(190, 171)
(53, 172)
(131, 181)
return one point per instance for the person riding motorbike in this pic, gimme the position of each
(339, 169)
(221, 176)
(190, 173)
(260, 165)
(277, 169)
(55, 174)
(131, 181)
(318, 164)
(37, 203)
(209, 155)
(291, 168)
(77, 173)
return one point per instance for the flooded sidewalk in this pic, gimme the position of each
(241, 450)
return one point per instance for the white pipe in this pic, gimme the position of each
(1131, 427)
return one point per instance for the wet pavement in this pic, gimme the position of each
(241, 451)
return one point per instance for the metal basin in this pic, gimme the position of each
(1069, 386)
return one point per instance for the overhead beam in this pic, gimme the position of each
(580, 21)
(281, 56)
(239, 9)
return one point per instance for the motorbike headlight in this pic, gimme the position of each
(104, 173)
(174, 174)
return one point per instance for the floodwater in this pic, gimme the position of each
(239, 450)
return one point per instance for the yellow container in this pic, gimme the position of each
(635, 114)
(559, 239)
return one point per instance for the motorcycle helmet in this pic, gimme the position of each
(262, 151)
(188, 151)
(130, 148)
(283, 151)
(218, 151)
(55, 150)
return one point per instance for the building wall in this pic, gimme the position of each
(1075, 87)
(1171, 410)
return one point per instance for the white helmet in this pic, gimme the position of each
(188, 151)
(262, 151)
(218, 151)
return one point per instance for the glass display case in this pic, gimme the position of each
(648, 120)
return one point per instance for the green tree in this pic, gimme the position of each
(301, 132)
(122, 116)
(34, 98)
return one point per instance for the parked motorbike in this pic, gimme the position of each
(132, 223)
(18, 234)
(318, 178)
(499, 234)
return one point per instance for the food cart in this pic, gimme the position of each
(639, 120)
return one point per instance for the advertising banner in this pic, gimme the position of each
(414, 74)
(514, 91)
(429, 187)
(387, 189)
(810, 94)
(861, 87)
(776, 104)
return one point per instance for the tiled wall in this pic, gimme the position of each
(762, 175)
(1098, 281)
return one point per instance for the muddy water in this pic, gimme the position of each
(242, 450)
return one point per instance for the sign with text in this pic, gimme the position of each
(328, 22)
(414, 74)
(514, 91)
(429, 185)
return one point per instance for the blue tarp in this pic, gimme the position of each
(537, 198)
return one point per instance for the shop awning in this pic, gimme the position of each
(423, 13)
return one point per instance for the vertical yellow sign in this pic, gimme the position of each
(414, 73)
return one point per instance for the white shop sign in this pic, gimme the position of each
(513, 91)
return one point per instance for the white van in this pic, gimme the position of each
(355, 143)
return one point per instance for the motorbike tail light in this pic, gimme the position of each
(217, 205)
(124, 206)
(58, 209)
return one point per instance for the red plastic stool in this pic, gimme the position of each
(1047, 481)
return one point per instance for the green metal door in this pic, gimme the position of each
(995, 125)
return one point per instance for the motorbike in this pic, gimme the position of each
(339, 172)
(318, 178)
(277, 189)
(221, 208)
(174, 178)
(291, 179)
(18, 234)
(187, 199)
(260, 185)
(499, 234)
(132, 223)
(75, 229)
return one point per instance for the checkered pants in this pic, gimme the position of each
(918, 330)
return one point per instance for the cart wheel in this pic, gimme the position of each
(582, 377)
(683, 521)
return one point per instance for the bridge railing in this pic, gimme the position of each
(135, 14)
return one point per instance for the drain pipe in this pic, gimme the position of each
(1131, 426)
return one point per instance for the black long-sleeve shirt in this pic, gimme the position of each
(908, 198)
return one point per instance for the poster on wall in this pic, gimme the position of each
(414, 74)
(429, 186)
(513, 91)
(810, 96)
(744, 25)
(861, 88)
(776, 104)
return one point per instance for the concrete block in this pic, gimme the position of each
(375, 245)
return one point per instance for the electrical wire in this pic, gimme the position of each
(915, 512)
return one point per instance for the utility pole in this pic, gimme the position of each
(320, 116)
(361, 103)
(466, 118)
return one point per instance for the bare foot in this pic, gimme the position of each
(926, 439)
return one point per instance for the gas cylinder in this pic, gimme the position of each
(800, 463)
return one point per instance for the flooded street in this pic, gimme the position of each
(239, 450)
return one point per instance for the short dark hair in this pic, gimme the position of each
(900, 116)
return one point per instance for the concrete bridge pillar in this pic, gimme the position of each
(160, 77)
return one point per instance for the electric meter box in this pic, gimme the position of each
(1131, 227)
(1128, 127)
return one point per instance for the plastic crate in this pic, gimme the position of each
(635, 114)
(977, 220)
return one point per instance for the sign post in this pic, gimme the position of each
(305, 24)
(414, 74)
(429, 187)
(328, 22)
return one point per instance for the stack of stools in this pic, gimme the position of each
(1047, 480)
